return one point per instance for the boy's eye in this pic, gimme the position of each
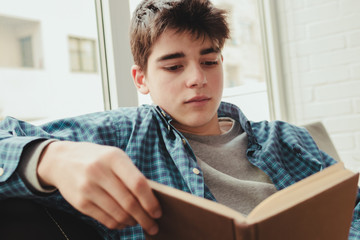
(173, 68)
(209, 63)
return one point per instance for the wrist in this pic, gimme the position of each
(47, 162)
(27, 168)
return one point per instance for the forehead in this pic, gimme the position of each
(171, 41)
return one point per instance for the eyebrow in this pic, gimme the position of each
(209, 50)
(171, 56)
(181, 54)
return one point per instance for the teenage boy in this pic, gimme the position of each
(98, 163)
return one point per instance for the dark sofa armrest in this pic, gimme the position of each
(23, 219)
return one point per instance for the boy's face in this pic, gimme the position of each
(185, 78)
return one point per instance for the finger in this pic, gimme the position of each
(135, 181)
(143, 191)
(133, 207)
(128, 202)
(98, 188)
(112, 208)
(115, 198)
(97, 213)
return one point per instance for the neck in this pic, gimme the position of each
(210, 128)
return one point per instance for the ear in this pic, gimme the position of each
(138, 76)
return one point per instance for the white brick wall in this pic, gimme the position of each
(350, 6)
(325, 75)
(320, 45)
(310, 14)
(357, 141)
(344, 141)
(331, 108)
(311, 3)
(334, 58)
(338, 91)
(355, 71)
(334, 26)
(357, 105)
(320, 41)
(354, 39)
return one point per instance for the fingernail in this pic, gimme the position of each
(153, 230)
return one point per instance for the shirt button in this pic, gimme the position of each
(1, 171)
(184, 141)
(163, 113)
(196, 171)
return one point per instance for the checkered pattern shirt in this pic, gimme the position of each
(286, 153)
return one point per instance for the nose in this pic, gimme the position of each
(196, 76)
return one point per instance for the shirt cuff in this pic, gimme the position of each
(28, 166)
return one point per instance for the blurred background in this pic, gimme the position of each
(291, 60)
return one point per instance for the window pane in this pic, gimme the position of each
(75, 60)
(26, 52)
(37, 36)
(87, 55)
(244, 73)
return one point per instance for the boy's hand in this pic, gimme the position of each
(101, 182)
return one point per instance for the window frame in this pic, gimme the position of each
(275, 81)
(115, 55)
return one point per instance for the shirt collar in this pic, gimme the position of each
(234, 112)
(225, 110)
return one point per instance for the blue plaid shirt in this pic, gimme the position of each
(286, 153)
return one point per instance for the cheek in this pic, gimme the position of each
(172, 85)
(216, 81)
(163, 91)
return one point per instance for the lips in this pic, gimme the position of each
(198, 99)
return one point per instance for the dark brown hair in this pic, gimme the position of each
(152, 17)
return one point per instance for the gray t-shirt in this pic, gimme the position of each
(232, 179)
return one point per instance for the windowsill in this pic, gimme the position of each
(247, 89)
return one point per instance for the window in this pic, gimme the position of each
(20, 42)
(82, 55)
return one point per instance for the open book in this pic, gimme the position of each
(318, 207)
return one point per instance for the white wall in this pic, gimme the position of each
(320, 43)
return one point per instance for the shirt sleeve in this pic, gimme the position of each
(11, 148)
(355, 225)
(28, 166)
(110, 128)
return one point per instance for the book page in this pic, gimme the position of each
(299, 192)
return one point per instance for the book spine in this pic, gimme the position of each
(244, 231)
